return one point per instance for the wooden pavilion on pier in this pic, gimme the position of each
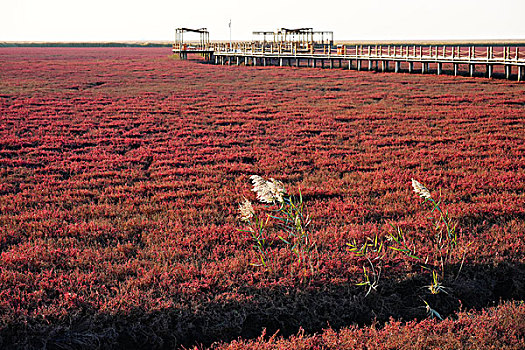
(304, 40)
(203, 47)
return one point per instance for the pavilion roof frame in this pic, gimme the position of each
(302, 35)
(204, 35)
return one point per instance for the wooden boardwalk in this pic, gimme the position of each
(486, 59)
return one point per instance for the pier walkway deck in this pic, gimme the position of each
(469, 59)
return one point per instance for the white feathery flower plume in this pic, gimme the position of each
(421, 190)
(246, 210)
(268, 191)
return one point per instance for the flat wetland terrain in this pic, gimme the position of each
(122, 170)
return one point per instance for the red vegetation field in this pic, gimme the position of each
(121, 171)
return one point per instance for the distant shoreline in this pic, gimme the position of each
(84, 44)
(466, 42)
(495, 42)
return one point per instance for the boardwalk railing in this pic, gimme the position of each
(507, 60)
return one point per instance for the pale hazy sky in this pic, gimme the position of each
(107, 20)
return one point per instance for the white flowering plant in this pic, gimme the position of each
(256, 228)
(289, 215)
(446, 235)
(444, 243)
(442, 222)
(373, 252)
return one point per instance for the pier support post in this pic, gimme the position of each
(439, 68)
(423, 68)
(410, 67)
(238, 60)
(280, 62)
(489, 70)
(350, 64)
(455, 69)
(520, 72)
(508, 71)
(331, 63)
(254, 61)
(369, 65)
(472, 69)
(358, 65)
(383, 66)
(397, 66)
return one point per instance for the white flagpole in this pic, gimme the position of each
(230, 25)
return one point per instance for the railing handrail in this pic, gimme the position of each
(448, 53)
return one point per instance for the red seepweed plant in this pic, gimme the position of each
(118, 167)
